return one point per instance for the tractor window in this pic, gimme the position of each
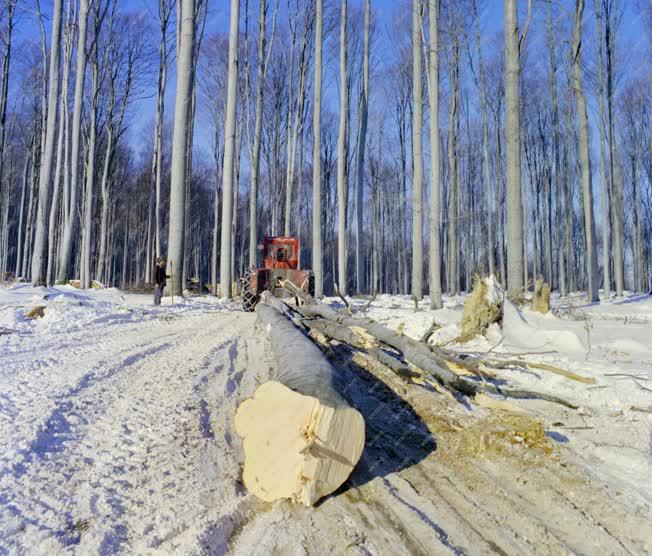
(281, 254)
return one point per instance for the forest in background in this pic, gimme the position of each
(540, 135)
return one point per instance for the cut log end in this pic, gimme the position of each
(296, 447)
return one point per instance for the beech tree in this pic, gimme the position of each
(513, 152)
(434, 260)
(39, 265)
(317, 256)
(417, 153)
(180, 138)
(342, 177)
(585, 156)
(516, 137)
(226, 277)
(363, 109)
(70, 210)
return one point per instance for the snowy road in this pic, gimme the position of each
(113, 435)
(116, 420)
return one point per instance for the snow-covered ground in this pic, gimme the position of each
(116, 422)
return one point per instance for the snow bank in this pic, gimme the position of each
(529, 330)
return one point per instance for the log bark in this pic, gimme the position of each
(450, 370)
(420, 355)
(300, 436)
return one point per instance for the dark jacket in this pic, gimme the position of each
(160, 277)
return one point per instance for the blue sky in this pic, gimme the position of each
(387, 12)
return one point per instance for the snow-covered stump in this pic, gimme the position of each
(301, 438)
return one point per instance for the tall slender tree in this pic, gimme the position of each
(226, 277)
(360, 151)
(71, 209)
(486, 163)
(342, 177)
(434, 259)
(180, 138)
(513, 152)
(604, 183)
(417, 152)
(39, 265)
(585, 156)
(611, 18)
(6, 63)
(317, 256)
(263, 62)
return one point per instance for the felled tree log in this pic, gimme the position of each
(301, 438)
(443, 366)
(358, 338)
(415, 352)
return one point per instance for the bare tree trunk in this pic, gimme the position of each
(71, 209)
(501, 199)
(263, 60)
(556, 171)
(486, 163)
(29, 230)
(60, 173)
(87, 227)
(434, 259)
(637, 243)
(226, 278)
(154, 220)
(616, 197)
(513, 151)
(417, 153)
(178, 172)
(362, 139)
(216, 213)
(317, 257)
(6, 61)
(40, 240)
(104, 189)
(604, 183)
(62, 167)
(453, 282)
(342, 177)
(288, 128)
(585, 157)
(19, 242)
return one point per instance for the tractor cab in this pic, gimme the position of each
(280, 262)
(281, 252)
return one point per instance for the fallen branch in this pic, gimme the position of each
(346, 303)
(368, 304)
(542, 366)
(445, 367)
(625, 375)
(431, 330)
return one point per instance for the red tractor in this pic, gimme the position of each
(281, 259)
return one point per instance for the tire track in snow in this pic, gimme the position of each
(126, 444)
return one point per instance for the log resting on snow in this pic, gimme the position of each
(413, 351)
(301, 438)
(442, 365)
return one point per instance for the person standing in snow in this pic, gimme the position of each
(160, 280)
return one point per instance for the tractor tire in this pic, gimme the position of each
(250, 298)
